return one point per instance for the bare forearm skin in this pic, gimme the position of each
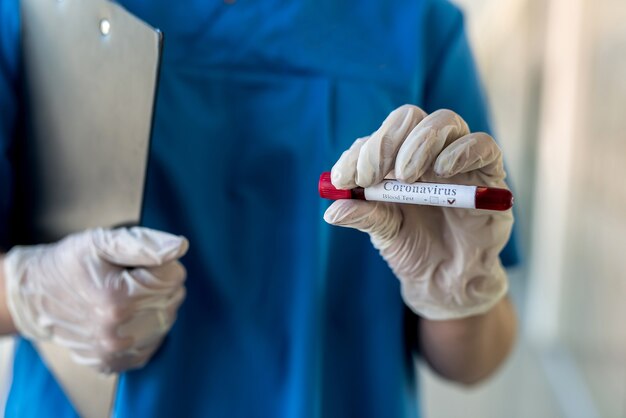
(6, 323)
(470, 349)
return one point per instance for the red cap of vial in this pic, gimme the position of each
(491, 198)
(328, 191)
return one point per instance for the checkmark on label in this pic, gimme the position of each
(451, 201)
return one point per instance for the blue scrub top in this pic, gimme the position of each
(285, 316)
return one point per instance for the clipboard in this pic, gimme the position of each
(91, 71)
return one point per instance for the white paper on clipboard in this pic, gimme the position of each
(91, 70)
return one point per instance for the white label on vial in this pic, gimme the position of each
(432, 194)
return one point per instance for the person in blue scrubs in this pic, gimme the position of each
(285, 315)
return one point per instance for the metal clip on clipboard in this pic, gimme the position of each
(91, 70)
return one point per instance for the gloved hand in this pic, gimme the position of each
(447, 260)
(109, 296)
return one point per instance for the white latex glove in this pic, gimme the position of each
(109, 296)
(447, 259)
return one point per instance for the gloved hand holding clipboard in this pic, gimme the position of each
(91, 70)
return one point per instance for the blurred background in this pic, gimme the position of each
(555, 75)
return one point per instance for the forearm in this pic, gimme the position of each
(468, 350)
(6, 323)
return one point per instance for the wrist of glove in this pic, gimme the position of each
(109, 296)
(447, 260)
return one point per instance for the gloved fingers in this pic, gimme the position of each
(133, 247)
(75, 325)
(101, 341)
(153, 317)
(425, 142)
(476, 151)
(116, 362)
(105, 329)
(126, 345)
(150, 326)
(381, 220)
(154, 280)
(67, 339)
(57, 310)
(160, 301)
(343, 173)
(136, 359)
(378, 153)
